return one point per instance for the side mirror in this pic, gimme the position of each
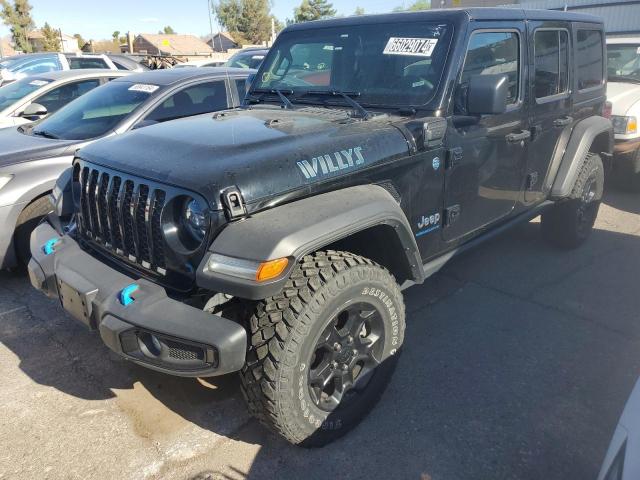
(248, 82)
(34, 111)
(487, 94)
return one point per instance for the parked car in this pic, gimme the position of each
(274, 240)
(33, 156)
(200, 63)
(623, 91)
(21, 66)
(33, 98)
(127, 62)
(247, 58)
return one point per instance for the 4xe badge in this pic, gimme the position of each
(428, 223)
(329, 163)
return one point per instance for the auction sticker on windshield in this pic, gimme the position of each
(38, 83)
(143, 87)
(418, 47)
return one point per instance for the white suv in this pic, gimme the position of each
(623, 91)
(21, 66)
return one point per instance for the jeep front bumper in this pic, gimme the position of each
(145, 326)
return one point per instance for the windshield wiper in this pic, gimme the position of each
(44, 133)
(281, 94)
(363, 113)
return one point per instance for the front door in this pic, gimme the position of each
(488, 154)
(550, 109)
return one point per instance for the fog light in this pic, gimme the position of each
(149, 345)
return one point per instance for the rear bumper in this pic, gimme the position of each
(153, 330)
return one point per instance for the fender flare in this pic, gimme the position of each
(296, 229)
(582, 138)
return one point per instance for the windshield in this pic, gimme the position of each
(623, 60)
(392, 64)
(245, 60)
(95, 113)
(16, 91)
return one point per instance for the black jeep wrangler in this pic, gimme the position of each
(275, 239)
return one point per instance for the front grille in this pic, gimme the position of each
(122, 214)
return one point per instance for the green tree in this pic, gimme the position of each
(415, 6)
(245, 20)
(81, 41)
(359, 11)
(18, 18)
(313, 10)
(51, 40)
(166, 31)
(116, 35)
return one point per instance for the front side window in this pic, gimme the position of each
(43, 66)
(491, 53)
(551, 72)
(96, 113)
(202, 98)
(16, 91)
(589, 60)
(57, 98)
(388, 64)
(80, 62)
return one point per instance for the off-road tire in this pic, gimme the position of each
(285, 330)
(570, 221)
(27, 221)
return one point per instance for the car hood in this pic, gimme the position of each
(622, 96)
(262, 151)
(17, 147)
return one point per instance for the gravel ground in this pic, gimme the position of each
(518, 361)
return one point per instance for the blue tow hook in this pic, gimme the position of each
(125, 294)
(49, 247)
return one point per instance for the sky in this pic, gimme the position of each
(98, 19)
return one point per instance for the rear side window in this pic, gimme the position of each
(493, 53)
(80, 62)
(589, 61)
(201, 98)
(551, 75)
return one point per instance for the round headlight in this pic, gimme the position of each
(195, 220)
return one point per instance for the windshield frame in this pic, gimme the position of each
(299, 96)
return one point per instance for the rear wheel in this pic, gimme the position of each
(27, 221)
(570, 221)
(323, 350)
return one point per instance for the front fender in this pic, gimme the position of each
(296, 229)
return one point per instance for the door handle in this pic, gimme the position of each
(562, 122)
(518, 137)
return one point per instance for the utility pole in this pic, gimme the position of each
(209, 13)
(61, 42)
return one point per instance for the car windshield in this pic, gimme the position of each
(623, 61)
(245, 60)
(391, 64)
(95, 113)
(13, 92)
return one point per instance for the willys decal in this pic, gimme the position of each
(329, 163)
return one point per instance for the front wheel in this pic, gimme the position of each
(323, 350)
(570, 221)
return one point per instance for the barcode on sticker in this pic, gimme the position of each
(419, 47)
(143, 87)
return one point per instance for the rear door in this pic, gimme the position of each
(488, 154)
(551, 100)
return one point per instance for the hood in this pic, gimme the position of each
(17, 147)
(263, 151)
(622, 96)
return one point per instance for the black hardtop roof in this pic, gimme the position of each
(170, 76)
(456, 14)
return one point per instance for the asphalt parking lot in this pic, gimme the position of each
(518, 361)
